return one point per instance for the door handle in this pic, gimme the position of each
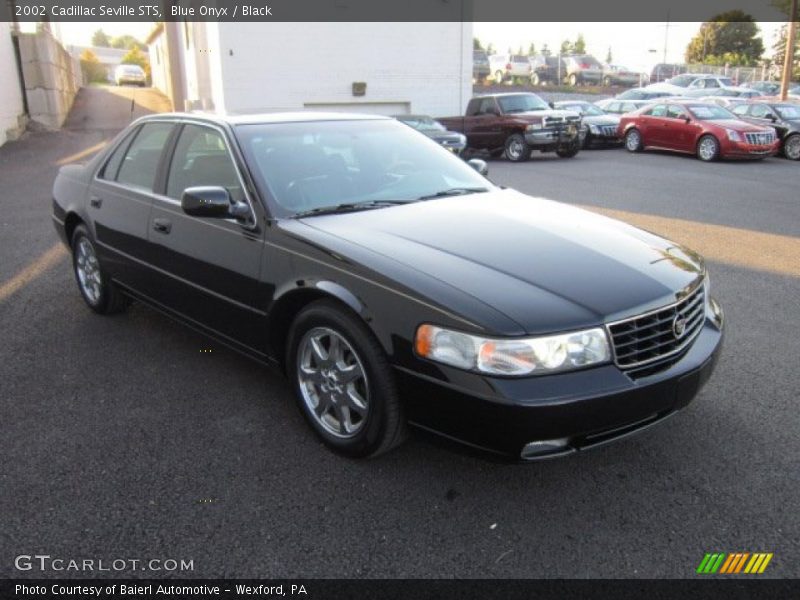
(95, 201)
(162, 225)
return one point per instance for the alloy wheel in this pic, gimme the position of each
(88, 269)
(792, 147)
(707, 149)
(514, 149)
(333, 382)
(633, 140)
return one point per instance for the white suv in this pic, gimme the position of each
(505, 67)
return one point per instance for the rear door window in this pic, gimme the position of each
(143, 157)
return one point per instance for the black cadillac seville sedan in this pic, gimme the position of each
(391, 282)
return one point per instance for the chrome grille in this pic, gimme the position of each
(761, 139)
(609, 130)
(651, 336)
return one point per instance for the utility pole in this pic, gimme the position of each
(666, 37)
(788, 59)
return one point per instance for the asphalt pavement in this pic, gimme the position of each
(133, 437)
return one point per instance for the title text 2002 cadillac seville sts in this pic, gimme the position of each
(392, 282)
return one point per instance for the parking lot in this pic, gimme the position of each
(134, 437)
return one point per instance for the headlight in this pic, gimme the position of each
(515, 357)
(533, 127)
(733, 135)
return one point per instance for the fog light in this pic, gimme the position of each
(543, 448)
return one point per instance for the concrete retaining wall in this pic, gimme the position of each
(12, 121)
(52, 78)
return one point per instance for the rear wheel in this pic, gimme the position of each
(343, 382)
(633, 140)
(516, 148)
(708, 148)
(97, 290)
(791, 147)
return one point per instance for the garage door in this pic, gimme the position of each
(371, 108)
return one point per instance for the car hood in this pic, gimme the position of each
(545, 265)
(741, 126)
(540, 114)
(601, 119)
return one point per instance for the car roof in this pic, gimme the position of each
(276, 117)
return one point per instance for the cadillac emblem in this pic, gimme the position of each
(679, 326)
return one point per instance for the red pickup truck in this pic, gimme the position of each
(517, 124)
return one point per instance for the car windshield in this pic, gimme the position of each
(422, 123)
(584, 109)
(521, 103)
(710, 112)
(311, 165)
(788, 112)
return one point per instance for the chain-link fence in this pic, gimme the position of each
(739, 75)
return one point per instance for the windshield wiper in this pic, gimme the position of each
(347, 207)
(456, 191)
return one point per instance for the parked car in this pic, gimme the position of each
(726, 101)
(664, 71)
(390, 282)
(480, 66)
(452, 140)
(130, 74)
(768, 88)
(545, 69)
(619, 75)
(706, 130)
(599, 128)
(783, 117)
(506, 67)
(680, 84)
(730, 92)
(642, 94)
(517, 124)
(615, 106)
(582, 69)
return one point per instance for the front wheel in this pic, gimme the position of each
(633, 140)
(343, 382)
(791, 147)
(569, 150)
(516, 148)
(708, 148)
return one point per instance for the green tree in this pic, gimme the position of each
(136, 57)
(566, 47)
(730, 37)
(93, 71)
(609, 56)
(531, 49)
(579, 47)
(546, 50)
(100, 39)
(476, 44)
(490, 49)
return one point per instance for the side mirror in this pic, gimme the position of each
(772, 117)
(687, 118)
(551, 104)
(479, 165)
(212, 202)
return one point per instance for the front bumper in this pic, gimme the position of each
(552, 135)
(745, 150)
(519, 418)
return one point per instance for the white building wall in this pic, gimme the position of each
(408, 67)
(10, 93)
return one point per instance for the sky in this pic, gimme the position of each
(630, 43)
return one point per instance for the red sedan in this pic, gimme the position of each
(693, 127)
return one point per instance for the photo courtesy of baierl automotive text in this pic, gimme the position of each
(442, 299)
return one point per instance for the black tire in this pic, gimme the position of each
(383, 427)
(633, 140)
(516, 148)
(703, 144)
(791, 146)
(569, 150)
(107, 299)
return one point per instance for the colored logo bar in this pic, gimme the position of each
(722, 563)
